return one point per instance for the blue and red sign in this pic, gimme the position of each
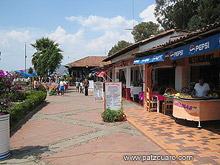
(149, 59)
(198, 47)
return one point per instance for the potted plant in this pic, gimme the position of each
(8, 92)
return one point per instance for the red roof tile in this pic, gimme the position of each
(90, 61)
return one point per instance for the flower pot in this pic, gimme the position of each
(4, 137)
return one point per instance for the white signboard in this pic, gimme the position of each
(113, 95)
(91, 87)
(98, 91)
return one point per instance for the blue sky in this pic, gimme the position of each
(81, 27)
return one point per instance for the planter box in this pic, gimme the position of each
(4, 137)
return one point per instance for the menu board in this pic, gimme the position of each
(98, 91)
(113, 95)
(91, 87)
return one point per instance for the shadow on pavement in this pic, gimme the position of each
(213, 126)
(29, 151)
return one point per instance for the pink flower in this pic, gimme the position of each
(7, 89)
(20, 92)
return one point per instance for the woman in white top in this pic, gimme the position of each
(201, 89)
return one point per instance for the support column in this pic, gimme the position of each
(148, 72)
(128, 82)
(178, 78)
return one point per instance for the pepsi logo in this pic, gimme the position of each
(171, 54)
(192, 49)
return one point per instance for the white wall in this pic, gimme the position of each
(160, 41)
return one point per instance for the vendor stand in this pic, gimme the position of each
(196, 108)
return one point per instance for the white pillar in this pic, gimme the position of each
(128, 77)
(178, 78)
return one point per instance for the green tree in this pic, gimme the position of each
(120, 45)
(47, 56)
(175, 13)
(30, 70)
(145, 30)
(208, 13)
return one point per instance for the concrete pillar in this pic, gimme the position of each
(128, 83)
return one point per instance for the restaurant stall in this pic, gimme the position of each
(184, 60)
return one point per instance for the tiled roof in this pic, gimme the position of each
(186, 39)
(137, 44)
(90, 61)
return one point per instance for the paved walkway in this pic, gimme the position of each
(179, 139)
(69, 130)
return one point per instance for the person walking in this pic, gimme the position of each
(66, 85)
(77, 86)
(86, 85)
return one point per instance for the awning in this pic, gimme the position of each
(149, 59)
(198, 47)
(24, 74)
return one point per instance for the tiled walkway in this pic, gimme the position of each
(69, 130)
(179, 139)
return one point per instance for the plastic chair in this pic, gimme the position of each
(151, 102)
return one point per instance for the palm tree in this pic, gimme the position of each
(47, 56)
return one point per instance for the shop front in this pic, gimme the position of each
(180, 69)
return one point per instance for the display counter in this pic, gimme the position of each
(196, 109)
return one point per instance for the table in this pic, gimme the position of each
(159, 98)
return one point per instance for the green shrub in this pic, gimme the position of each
(33, 99)
(112, 116)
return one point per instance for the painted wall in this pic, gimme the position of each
(160, 41)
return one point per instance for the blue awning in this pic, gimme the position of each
(149, 59)
(24, 74)
(198, 47)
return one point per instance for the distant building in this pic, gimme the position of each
(84, 66)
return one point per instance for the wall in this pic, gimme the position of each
(160, 41)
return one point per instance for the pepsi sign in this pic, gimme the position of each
(200, 47)
(195, 48)
(174, 54)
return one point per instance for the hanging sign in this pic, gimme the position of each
(198, 47)
(149, 59)
(113, 95)
(98, 91)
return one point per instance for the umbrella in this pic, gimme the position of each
(101, 74)
(34, 74)
(24, 74)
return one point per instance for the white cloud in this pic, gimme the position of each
(148, 14)
(19, 36)
(97, 23)
(95, 36)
